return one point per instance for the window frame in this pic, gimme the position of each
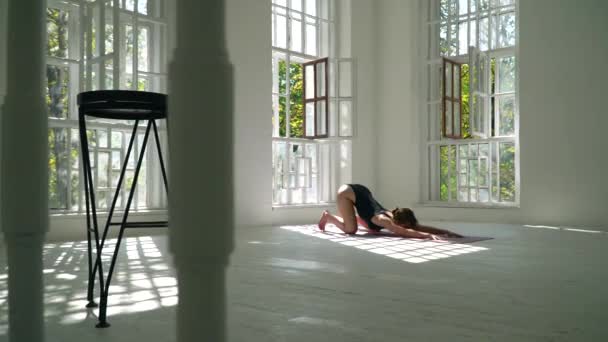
(82, 60)
(434, 139)
(316, 99)
(453, 100)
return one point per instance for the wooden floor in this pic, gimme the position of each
(530, 284)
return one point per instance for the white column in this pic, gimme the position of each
(201, 172)
(24, 185)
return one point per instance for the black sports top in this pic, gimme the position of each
(366, 204)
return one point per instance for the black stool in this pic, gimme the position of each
(118, 105)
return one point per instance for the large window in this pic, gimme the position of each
(312, 104)
(103, 44)
(471, 96)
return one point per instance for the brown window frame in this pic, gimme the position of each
(316, 98)
(452, 100)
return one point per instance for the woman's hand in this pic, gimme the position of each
(435, 237)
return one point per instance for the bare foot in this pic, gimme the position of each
(323, 220)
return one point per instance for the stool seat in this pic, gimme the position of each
(123, 104)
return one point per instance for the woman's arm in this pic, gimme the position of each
(436, 231)
(387, 223)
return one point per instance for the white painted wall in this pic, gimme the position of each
(249, 44)
(563, 49)
(3, 29)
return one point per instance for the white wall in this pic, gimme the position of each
(249, 44)
(3, 29)
(563, 49)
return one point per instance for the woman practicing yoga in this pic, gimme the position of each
(374, 217)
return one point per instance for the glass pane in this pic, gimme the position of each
(443, 40)
(281, 33)
(59, 165)
(443, 173)
(483, 172)
(454, 45)
(506, 74)
(57, 32)
(448, 118)
(507, 172)
(484, 150)
(296, 98)
(116, 160)
(484, 25)
(484, 195)
(75, 196)
(143, 58)
(311, 39)
(296, 5)
(310, 82)
(463, 7)
(448, 79)
(463, 45)
(310, 119)
(142, 7)
(464, 151)
(109, 36)
(311, 7)
(129, 44)
(457, 124)
(57, 91)
(506, 30)
(473, 193)
(282, 77)
(321, 86)
(116, 139)
(506, 108)
(321, 118)
(296, 35)
(102, 138)
(453, 172)
(457, 81)
(473, 171)
(102, 171)
(346, 115)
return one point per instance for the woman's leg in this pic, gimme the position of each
(347, 220)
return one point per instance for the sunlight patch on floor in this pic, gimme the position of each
(413, 251)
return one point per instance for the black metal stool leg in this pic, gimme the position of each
(160, 155)
(118, 187)
(90, 194)
(103, 323)
(86, 165)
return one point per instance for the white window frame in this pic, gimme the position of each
(80, 60)
(432, 139)
(321, 168)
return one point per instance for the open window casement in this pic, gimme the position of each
(452, 99)
(479, 68)
(316, 99)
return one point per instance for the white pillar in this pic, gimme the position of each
(24, 185)
(201, 205)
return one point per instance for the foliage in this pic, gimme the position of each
(296, 94)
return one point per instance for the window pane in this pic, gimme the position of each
(506, 75)
(457, 123)
(443, 40)
(142, 49)
(310, 82)
(296, 35)
(57, 32)
(321, 86)
(444, 166)
(281, 28)
(457, 81)
(310, 119)
(296, 5)
(296, 108)
(484, 25)
(346, 113)
(103, 170)
(142, 7)
(321, 118)
(463, 44)
(57, 91)
(59, 165)
(311, 39)
(463, 7)
(448, 118)
(506, 30)
(507, 172)
(448, 79)
(311, 7)
(506, 108)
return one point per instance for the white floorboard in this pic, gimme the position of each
(527, 284)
